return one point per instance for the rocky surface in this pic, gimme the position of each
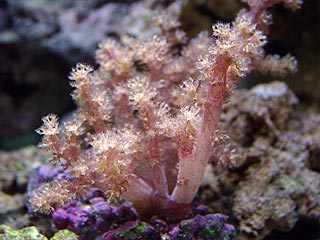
(276, 182)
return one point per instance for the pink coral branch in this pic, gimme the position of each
(192, 166)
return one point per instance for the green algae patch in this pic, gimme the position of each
(28, 233)
(65, 235)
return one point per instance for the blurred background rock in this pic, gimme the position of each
(40, 40)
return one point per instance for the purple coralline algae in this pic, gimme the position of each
(92, 217)
(211, 226)
(133, 230)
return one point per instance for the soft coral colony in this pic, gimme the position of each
(147, 121)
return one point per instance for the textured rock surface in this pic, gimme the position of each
(15, 168)
(276, 182)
